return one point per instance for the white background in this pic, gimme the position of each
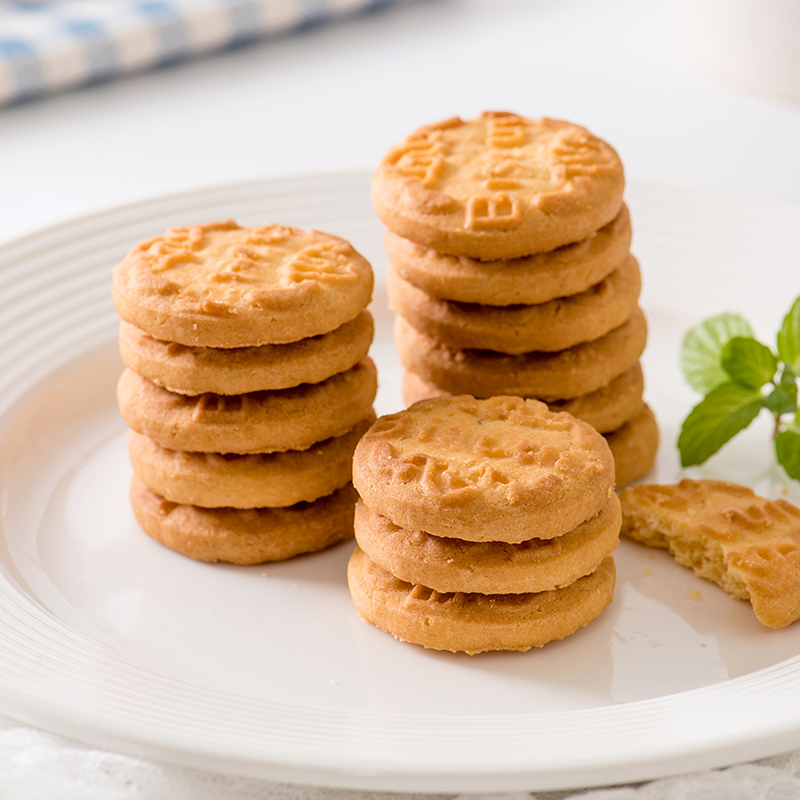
(336, 97)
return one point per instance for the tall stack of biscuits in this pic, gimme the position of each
(511, 272)
(247, 386)
(483, 524)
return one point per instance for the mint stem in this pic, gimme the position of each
(777, 426)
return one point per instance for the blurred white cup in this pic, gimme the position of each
(751, 44)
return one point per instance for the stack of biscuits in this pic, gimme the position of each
(483, 524)
(247, 385)
(511, 272)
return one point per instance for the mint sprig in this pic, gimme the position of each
(739, 377)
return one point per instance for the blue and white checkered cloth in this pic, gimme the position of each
(49, 46)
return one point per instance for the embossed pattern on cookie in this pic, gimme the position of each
(421, 157)
(499, 212)
(498, 186)
(178, 246)
(221, 285)
(502, 469)
(325, 263)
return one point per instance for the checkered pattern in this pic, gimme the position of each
(49, 46)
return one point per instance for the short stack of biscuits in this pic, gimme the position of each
(247, 386)
(483, 524)
(511, 272)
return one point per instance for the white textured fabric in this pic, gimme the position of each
(48, 46)
(35, 765)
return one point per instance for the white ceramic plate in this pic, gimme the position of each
(268, 671)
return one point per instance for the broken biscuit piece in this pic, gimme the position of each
(725, 533)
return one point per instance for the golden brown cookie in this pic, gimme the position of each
(606, 409)
(554, 325)
(532, 279)
(561, 375)
(500, 186)
(220, 285)
(244, 536)
(611, 406)
(239, 370)
(634, 447)
(453, 565)
(725, 533)
(500, 470)
(475, 623)
(214, 480)
(259, 422)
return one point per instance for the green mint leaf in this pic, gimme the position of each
(715, 420)
(783, 400)
(789, 337)
(788, 379)
(787, 449)
(748, 362)
(701, 350)
(778, 402)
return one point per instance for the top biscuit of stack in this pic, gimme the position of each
(221, 285)
(499, 186)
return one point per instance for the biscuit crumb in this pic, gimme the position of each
(696, 594)
(703, 644)
(334, 682)
(648, 572)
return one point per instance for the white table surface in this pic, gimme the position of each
(335, 97)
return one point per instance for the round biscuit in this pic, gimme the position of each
(221, 285)
(561, 375)
(475, 623)
(239, 370)
(255, 480)
(244, 536)
(531, 279)
(554, 325)
(501, 469)
(258, 422)
(499, 186)
(453, 565)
